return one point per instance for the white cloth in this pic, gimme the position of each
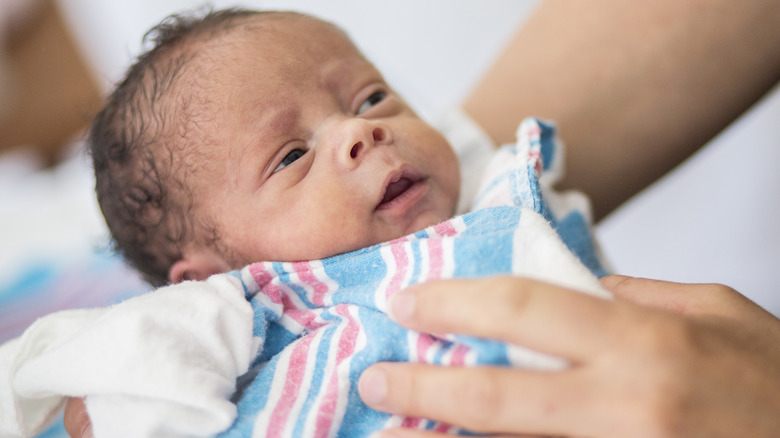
(147, 351)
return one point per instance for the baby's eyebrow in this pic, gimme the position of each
(339, 73)
(270, 130)
(280, 121)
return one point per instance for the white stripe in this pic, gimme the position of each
(411, 340)
(425, 264)
(341, 406)
(285, 320)
(380, 295)
(394, 421)
(266, 303)
(409, 266)
(448, 255)
(249, 281)
(446, 358)
(433, 350)
(343, 378)
(470, 358)
(331, 284)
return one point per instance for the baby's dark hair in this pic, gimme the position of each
(146, 206)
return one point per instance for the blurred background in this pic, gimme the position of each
(713, 219)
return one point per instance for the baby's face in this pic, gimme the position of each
(309, 153)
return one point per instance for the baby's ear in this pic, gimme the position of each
(198, 265)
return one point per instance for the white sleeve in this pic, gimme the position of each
(161, 364)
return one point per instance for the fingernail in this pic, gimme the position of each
(402, 306)
(372, 386)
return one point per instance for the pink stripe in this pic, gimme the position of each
(436, 258)
(442, 428)
(398, 240)
(445, 229)
(424, 343)
(296, 370)
(458, 357)
(346, 347)
(305, 317)
(401, 265)
(263, 279)
(411, 423)
(304, 271)
(260, 274)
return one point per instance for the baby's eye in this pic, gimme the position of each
(373, 99)
(290, 158)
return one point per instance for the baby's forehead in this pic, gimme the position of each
(279, 33)
(269, 48)
(218, 68)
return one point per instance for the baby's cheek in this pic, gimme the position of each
(452, 180)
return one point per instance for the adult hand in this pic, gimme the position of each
(662, 360)
(76, 420)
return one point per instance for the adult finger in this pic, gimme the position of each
(687, 299)
(537, 315)
(413, 433)
(485, 399)
(76, 419)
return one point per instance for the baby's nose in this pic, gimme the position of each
(378, 135)
(362, 135)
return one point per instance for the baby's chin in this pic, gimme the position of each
(429, 221)
(422, 222)
(418, 225)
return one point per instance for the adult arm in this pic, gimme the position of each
(636, 87)
(664, 359)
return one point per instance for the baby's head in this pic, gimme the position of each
(254, 136)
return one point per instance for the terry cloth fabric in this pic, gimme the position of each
(287, 341)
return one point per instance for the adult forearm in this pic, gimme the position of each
(635, 86)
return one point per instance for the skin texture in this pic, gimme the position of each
(674, 360)
(293, 134)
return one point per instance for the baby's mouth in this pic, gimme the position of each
(395, 189)
(397, 185)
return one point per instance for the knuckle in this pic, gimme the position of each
(666, 414)
(667, 409)
(513, 295)
(619, 283)
(667, 395)
(721, 289)
(669, 339)
(658, 407)
(721, 293)
(485, 400)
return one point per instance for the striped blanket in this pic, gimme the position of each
(296, 336)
